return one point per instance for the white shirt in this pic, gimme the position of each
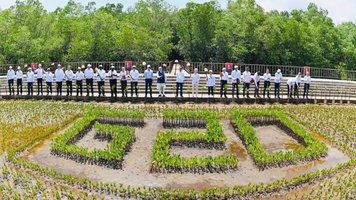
(59, 75)
(39, 72)
(19, 74)
(69, 75)
(49, 77)
(225, 76)
(101, 75)
(89, 73)
(246, 76)
(210, 81)
(134, 75)
(256, 78)
(278, 77)
(291, 82)
(267, 77)
(123, 75)
(79, 75)
(112, 74)
(195, 78)
(10, 74)
(30, 77)
(298, 79)
(307, 79)
(148, 74)
(180, 77)
(236, 75)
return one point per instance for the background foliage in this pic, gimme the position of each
(154, 30)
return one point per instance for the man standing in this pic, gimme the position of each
(113, 81)
(224, 77)
(10, 80)
(69, 80)
(30, 80)
(298, 79)
(79, 76)
(101, 80)
(256, 80)
(210, 83)
(307, 80)
(89, 75)
(195, 82)
(247, 80)
(161, 82)
(134, 74)
(49, 81)
(19, 77)
(39, 71)
(123, 81)
(267, 83)
(59, 76)
(277, 83)
(148, 80)
(180, 81)
(236, 80)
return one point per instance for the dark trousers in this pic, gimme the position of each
(306, 90)
(210, 90)
(39, 86)
(19, 86)
(289, 91)
(235, 88)
(179, 89)
(11, 86)
(277, 89)
(69, 85)
(257, 89)
(59, 88)
(113, 87)
(79, 87)
(223, 83)
(266, 86)
(101, 88)
(134, 86)
(246, 87)
(90, 88)
(29, 88)
(49, 87)
(148, 85)
(124, 88)
(296, 90)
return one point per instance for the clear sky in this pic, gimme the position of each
(339, 10)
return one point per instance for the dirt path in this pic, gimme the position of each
(136, 165)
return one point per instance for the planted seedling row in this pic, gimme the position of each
(184, 123)
(134, 122)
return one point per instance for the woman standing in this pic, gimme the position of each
(210, 83)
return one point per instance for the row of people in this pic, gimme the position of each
(133, 75)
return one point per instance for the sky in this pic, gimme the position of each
(339, 10)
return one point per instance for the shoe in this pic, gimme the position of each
(159, 95)
(164, 95)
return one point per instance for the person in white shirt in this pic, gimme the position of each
(307, 80)
(100, 79)
(161, 81)
(39, 71)
(179, 82)
(246, 76)
(266, 83)
(256, 81)
(69, 80)
(290, 85)
(195, 82)
(59, 76)
(298, 79)
(134, 74)
(224, 77)
(30, 80)
(113, 81)
(19, 77)
(277, 83)
(79, 77)
(89, 76)
(49, 81)
(10, 80)
(123, 80)
(210, 83)
(236, 80)
(148, 80)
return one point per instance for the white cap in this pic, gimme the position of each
(89, 65)
(29, 68)
(59, 65)
(18, 67)
(223, 69)
(112, 67)
(148, 66)
(279, 70)
(39, 65)
(100, 66)
(176, 61)
(144, 63)
(236, 67)
(10, 67)
(210, 71)
(133, 66)
(49, 69)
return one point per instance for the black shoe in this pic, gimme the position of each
(164, 95)
(159, 95)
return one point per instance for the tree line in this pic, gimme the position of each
(155, 30)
